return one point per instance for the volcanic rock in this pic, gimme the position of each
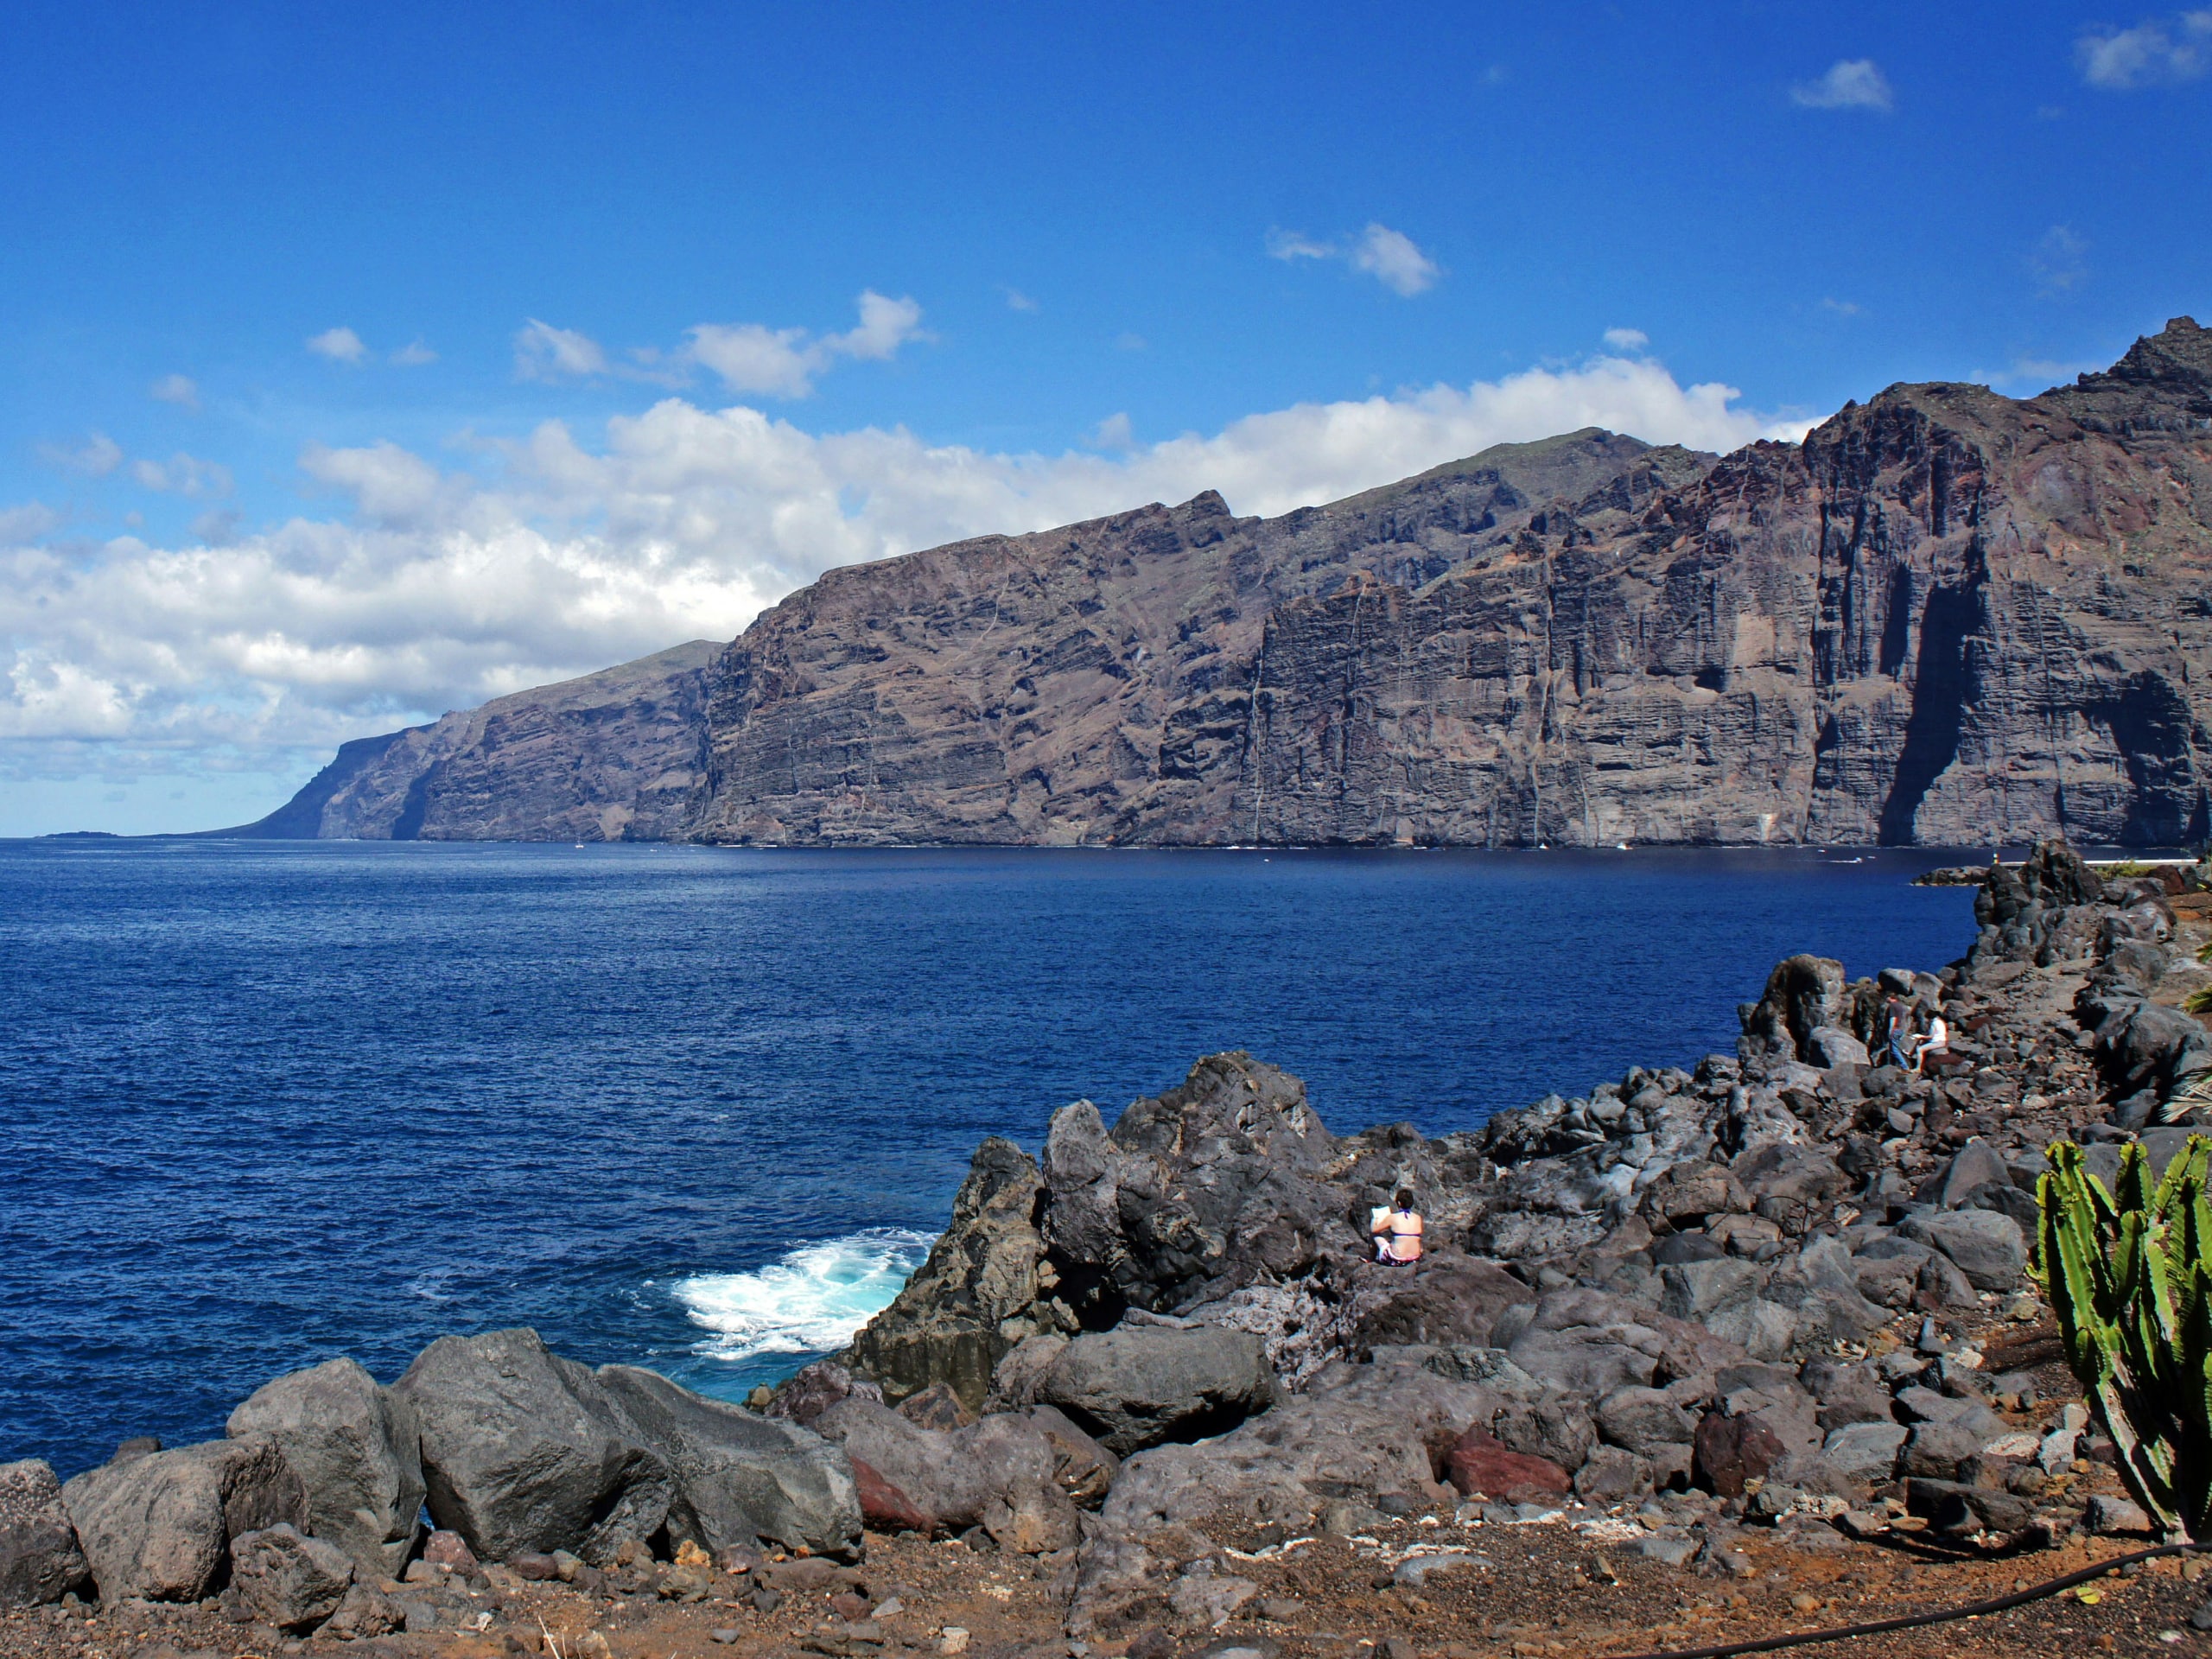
(287, 1580)
(357, 1451)
(1141, 1385)
(740, 1478)
(524, 1450)
(159, 1526)
(39, 1557)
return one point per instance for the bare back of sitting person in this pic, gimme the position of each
(1397, 1231)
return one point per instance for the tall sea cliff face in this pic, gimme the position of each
(1947, 617)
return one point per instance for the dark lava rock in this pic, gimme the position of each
(287, 1580)
(524, 1450)
(740, 1477)
(160, 1526)
(39, 1558)
(1143, 1385)
(357, 1450)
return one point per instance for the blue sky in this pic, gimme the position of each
(625, 320)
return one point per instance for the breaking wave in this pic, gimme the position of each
(810, 1301)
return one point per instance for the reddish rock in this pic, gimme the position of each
(447, 1549)
(1480, 1462)
(1730, 1450)
(534, 1565)
(886, 1508)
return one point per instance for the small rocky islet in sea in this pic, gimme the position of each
(1702, 1355)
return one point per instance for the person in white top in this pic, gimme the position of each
(1937, 1041)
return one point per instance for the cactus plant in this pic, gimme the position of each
(2129, 1275)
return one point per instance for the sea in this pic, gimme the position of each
(703, 1110)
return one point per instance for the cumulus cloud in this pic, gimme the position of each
(554, 553)
(748, 357)
(338, 345)
(27, 523)
(175, 389)
(2153, 54)
(182, 475)
(96, 457)
(1850, 84)
(413, 355)
(1390, 257)
(1627, 340)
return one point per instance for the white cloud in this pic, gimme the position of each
(773, 362)
(545, 352)
(413, 355)
(437, 589)
(391, 486)
(1296, 245)
(748, 357)
(182, 475)
(175, 389)
(27, 523)
(1390, 257)
(2153, 54)
(2059, 263)
(1126, 341)
(1018, 300)
(1113, 433)
(1841, 307)
(338, 345)
(1850, 84)
(100, 455)
(1627, 340)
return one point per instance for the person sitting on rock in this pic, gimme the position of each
(1397, 1231)
(1936, 1043)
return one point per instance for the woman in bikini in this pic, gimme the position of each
(1397, 1232)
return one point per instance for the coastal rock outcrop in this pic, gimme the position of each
(39, 1558)
(1945, 617)
(524, 1450)
(292, 1581)
(159, 1525)
(357, 1450)
(741, 1478)
(1142, 1385)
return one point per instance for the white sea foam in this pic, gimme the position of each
(810, 1302)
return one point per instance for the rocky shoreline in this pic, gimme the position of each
(1753, 1338)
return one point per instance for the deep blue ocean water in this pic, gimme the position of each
(700, 1108)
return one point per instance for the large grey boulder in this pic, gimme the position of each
(1641, 1420)
(1002, 1474)
(357, 1450)
(524, 1450)
(1145, 1385)
(1985, 1245)
(287, 1580)
(741, 1478)
(1867, 1451)
(160, 1526)
(39, 1558)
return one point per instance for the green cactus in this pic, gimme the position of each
(2129, 1275)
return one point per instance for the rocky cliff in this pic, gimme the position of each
(1947, 617)
(614, 756)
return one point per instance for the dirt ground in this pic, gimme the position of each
(1538, 1589)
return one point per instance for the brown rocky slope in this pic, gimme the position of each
(1948, 617)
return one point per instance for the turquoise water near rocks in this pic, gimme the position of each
(262, 1104)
